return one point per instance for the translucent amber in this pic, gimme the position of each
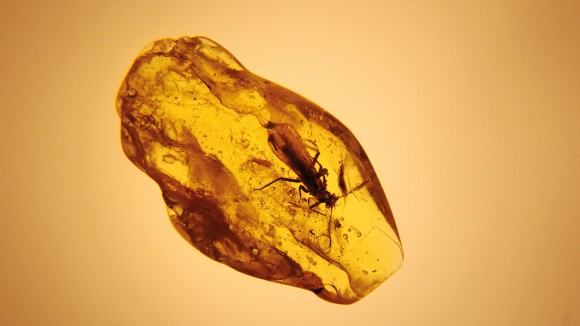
(256, 176)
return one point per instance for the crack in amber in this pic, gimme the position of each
(256, 176)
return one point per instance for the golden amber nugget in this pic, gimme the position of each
(255, 176)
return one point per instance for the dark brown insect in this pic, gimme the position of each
(287, 144)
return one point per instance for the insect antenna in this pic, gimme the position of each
(354, 189)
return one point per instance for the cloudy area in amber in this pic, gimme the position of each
(468, 112)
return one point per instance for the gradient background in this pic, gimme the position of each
(470, 113)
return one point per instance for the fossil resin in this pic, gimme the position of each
(255, 176)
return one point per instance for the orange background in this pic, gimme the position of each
(470, 113)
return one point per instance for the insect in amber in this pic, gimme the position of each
(228, 148)
(290, 148)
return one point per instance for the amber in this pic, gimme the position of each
(255, 176)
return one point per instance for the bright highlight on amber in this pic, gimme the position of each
(255, 176)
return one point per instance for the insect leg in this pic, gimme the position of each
(321, 171)
(279, 179)
(315, 159)
(315, 205)
(301, 189)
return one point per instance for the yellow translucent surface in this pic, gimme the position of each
(213, 135)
